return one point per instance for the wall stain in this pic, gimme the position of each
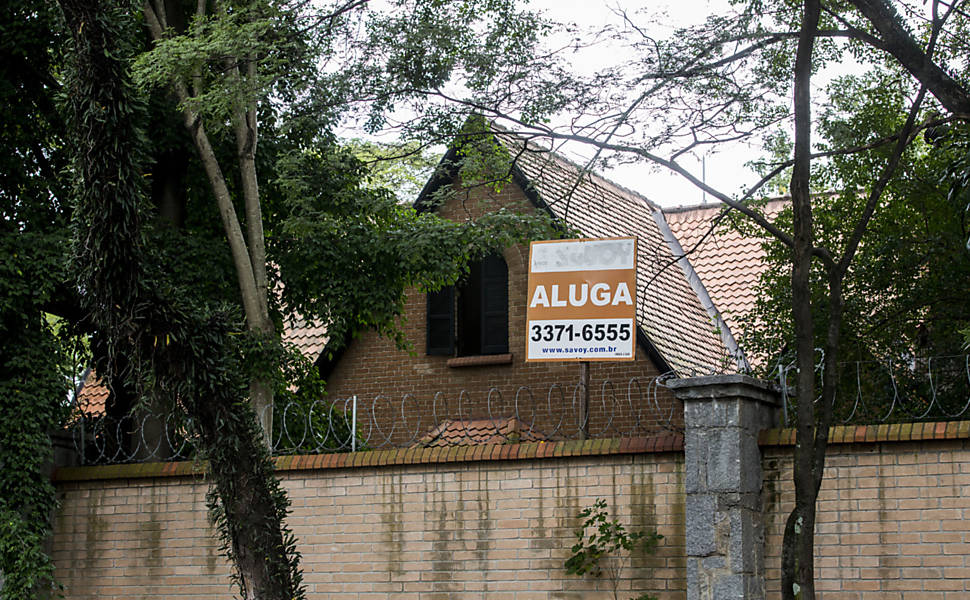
(151, 530)
(886, 572)
(443, 536)
(675, 556)
(391, 517)
(484, 530)
(95, 527)
(643, 517)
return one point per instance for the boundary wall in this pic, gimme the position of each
(497, 521)
(893, 513)
(469, 522)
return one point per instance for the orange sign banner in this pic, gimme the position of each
(582, 300)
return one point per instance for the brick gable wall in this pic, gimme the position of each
(372, 367)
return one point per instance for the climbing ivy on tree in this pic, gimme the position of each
(149, 279)
(345, 252)
(193, 354)
(33, 234)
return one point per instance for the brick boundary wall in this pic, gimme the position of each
(495, 521)
(893, 511)
(434, 523)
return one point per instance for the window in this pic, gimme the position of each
(472, 318)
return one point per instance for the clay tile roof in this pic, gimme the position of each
(727, 262)
(669, 311)
(93, 395)
(472, 432)
(309, 338)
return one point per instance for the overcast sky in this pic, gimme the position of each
(725, 170)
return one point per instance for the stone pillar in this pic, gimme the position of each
(723, 415)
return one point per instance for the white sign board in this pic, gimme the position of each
(582, 300)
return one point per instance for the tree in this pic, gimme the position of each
(742, 76)
(33, 232)
(902, 300)
(225, 63)
(236, 70)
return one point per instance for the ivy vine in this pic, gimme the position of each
(190, 353)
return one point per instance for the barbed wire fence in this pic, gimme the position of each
(900, 390)
(870, 392)
(499, 414)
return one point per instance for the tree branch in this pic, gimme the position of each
(217, 181)
(903, 47)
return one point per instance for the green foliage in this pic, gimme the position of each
(416, 49)
(303, 420)
(601, 543)
(336, 241)
(903, 295)
(33, 234)
(194, 354)
(483, 160)
(208, 56)
(156, 293)
(33, 393)
(402, 169)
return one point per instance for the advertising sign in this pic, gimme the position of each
(582, 300)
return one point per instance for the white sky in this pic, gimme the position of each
(724, 171)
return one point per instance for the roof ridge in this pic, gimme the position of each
(583, 169)
(682, 208)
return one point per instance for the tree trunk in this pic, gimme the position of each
(798, 545)
(259, 550)
(191, 351)
(248, 251)
(246, 131)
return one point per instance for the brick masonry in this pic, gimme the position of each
(429, 523)
(382, 375)
(894, 519)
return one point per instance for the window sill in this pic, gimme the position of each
(486, 360)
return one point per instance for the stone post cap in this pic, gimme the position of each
(718, 387)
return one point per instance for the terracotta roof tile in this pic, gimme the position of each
(309, 338)
(669, 312)
(728, 263)
(93, 395)
(473, 432)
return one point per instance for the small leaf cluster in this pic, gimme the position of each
(608, 537)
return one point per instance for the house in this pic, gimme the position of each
(468, 342)
(466, 361)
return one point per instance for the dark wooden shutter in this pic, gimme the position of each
(469, 312)
(494, 305)
(441, 322)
